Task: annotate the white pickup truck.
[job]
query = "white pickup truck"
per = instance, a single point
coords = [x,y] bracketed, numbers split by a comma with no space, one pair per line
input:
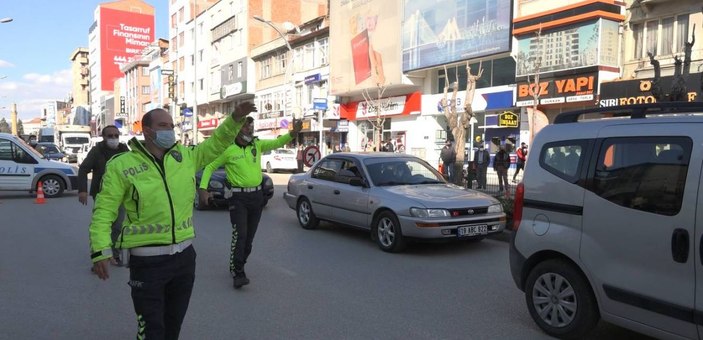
[71,139]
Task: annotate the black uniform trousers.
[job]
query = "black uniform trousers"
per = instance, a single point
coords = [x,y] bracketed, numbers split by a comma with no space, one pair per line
[244,213]
[161,288]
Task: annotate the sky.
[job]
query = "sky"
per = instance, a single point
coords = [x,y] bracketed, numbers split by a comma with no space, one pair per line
[36,46]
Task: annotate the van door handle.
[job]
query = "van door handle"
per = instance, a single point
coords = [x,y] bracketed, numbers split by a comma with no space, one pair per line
[310,186]
[336,192]
[679,245]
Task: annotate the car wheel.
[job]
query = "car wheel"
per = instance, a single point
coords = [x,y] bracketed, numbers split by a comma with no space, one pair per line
[387,234]
[52,186]
[306,217]
[268,167]
[560,300]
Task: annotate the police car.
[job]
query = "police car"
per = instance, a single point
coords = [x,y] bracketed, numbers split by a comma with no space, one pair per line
[22,167]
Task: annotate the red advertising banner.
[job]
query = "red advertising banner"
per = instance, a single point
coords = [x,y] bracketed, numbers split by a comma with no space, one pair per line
[123,35]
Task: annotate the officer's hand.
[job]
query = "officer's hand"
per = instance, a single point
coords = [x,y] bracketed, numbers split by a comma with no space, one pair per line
[297,126]
[101,269]
[83,197]
[243,109]
[203,197]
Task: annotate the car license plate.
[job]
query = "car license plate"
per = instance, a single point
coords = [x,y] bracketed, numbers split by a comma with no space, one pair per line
[472,230]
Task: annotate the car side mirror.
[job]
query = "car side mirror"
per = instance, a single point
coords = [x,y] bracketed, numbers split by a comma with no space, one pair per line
[357,182]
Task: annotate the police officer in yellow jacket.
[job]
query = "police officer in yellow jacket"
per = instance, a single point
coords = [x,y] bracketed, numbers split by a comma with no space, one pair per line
[155,182]
[242,161]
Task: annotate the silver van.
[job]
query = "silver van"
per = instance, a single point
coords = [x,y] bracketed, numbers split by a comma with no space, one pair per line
[606,222]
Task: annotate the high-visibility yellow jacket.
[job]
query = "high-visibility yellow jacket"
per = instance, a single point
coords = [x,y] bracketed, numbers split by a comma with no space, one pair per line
[158,198]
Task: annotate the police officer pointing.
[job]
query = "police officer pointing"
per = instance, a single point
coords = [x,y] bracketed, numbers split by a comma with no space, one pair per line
[154,182]
[242,161]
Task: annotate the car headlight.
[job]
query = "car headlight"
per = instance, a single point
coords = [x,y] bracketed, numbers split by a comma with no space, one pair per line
[496,208]
[216,185]
[422,212]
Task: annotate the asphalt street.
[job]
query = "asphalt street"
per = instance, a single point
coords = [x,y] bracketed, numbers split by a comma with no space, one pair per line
[331,283]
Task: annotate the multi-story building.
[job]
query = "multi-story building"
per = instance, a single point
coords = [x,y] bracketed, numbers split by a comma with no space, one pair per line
[210,45]
[80,74]
[120,31]
[135,95]
[573,46]
[666,30]
[32,126]
[297,89]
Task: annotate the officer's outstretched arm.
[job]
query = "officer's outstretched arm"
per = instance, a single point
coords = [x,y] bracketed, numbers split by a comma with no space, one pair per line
[107,204]
[270,144]
[223,137]
[210,168]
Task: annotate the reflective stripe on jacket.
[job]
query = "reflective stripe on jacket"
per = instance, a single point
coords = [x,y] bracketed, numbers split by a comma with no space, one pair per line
[158,202]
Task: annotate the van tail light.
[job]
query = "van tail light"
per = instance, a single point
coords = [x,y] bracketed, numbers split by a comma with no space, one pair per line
[517,207]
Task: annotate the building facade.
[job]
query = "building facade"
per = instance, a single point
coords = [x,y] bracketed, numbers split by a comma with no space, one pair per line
[80,74]
[119,32]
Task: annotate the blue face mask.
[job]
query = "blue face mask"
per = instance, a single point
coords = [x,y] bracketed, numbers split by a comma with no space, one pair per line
[165,138]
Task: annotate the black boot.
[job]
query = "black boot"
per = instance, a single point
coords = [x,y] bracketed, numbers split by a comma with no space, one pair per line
[240,279]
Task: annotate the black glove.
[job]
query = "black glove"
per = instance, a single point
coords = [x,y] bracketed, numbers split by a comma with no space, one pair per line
[242,110]
[297,126]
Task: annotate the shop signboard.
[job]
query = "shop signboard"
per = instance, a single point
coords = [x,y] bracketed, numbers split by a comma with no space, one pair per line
[639,91]
[508,119]
[560,89]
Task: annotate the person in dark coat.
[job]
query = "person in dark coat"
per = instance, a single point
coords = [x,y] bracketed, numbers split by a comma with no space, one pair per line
[95,162]
[501,163]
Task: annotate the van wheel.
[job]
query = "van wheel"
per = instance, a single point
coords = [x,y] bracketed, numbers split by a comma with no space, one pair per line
[52,186]
[560,300]
[387,234]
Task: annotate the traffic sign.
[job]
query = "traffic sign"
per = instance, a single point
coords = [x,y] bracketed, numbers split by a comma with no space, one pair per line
[311,154]
[319,104]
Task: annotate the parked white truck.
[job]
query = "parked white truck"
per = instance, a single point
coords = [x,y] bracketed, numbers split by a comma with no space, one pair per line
[71,138]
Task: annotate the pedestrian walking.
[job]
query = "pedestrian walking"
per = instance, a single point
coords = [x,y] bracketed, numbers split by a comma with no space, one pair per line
[481,159]
[95,162]
[501,163]
[299,157]
[448,155]
[521,159]
[242,162]
[154,182]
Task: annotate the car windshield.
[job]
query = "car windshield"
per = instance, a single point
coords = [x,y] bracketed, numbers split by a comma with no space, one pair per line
[401,171]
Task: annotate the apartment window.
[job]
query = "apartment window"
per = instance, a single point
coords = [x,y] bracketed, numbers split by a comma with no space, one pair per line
[230,72]
[174,44]
[297,59]
[681,33]
[638,37]
[200,56]
[181,39]
[667,36]
[192,59]
[173,20]
[309,56]
[201,84]
[145,71]
[281,63]
[181,88]
[180,15]
[181,64]
[145,107]
[323,50]
[146,90]
[239,69]
[265,68]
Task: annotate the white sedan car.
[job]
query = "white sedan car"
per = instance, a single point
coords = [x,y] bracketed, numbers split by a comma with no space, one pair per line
[279,159]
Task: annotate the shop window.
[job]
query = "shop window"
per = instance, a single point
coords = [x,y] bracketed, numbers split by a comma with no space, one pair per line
[647,174]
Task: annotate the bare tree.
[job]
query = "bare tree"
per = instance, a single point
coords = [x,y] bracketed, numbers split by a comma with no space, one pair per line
[376,104]
[536,89]
[458,124]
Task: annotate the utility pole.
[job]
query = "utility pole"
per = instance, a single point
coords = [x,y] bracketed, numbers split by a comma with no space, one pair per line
[13,118]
